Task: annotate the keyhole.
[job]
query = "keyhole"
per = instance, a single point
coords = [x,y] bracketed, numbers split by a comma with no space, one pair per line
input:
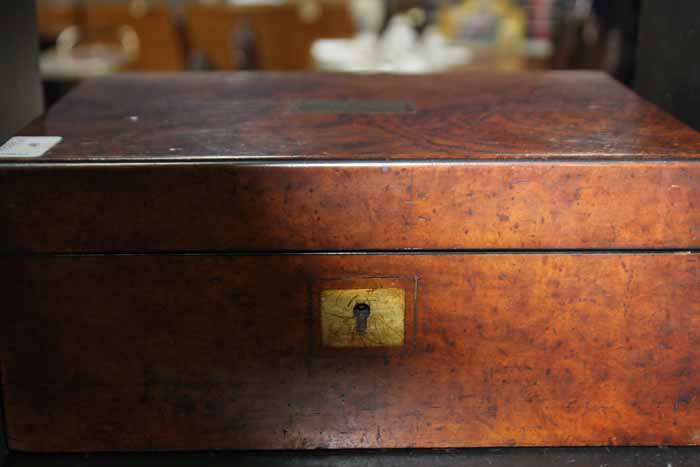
[361,313]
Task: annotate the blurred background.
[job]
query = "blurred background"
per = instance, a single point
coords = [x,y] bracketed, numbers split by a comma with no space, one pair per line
[81,39]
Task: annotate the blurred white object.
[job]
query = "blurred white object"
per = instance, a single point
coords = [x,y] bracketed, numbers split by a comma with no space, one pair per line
[441,53]
[357,54]
[82,62]
[70,61]
[368,14]
[399,37]
[255,2]
[398,50]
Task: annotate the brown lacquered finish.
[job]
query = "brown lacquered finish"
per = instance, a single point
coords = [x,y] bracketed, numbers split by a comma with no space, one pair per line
[342,207]
[199,352]
[471,116]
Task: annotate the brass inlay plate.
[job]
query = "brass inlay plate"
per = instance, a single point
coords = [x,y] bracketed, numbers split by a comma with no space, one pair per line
[350,106]
[383,326]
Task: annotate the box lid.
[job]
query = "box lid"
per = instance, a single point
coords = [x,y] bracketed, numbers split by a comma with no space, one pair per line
[324,162]
[305,116]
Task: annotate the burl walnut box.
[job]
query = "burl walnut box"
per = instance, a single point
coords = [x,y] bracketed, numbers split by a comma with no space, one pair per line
[269,261]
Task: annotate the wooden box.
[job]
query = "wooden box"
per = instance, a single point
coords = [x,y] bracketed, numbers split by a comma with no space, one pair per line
[268,261]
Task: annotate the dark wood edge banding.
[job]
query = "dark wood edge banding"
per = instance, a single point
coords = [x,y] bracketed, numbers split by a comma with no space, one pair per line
[541,457]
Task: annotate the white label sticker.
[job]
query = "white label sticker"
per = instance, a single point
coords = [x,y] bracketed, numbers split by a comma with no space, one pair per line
[28,146]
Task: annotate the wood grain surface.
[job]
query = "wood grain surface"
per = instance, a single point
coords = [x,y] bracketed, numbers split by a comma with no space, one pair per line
[208,352]
[461,116]
[147,311]
[229,207]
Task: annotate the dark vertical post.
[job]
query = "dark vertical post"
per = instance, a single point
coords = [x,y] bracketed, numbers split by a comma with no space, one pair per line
[3,441]
[668,69]
[20,91]
[20,84]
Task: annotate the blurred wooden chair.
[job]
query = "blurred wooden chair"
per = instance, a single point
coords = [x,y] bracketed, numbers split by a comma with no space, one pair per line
[55,16]
[277,37]
[160,42]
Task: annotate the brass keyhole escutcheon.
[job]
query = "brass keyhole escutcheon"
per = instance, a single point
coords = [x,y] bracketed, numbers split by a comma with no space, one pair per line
[359,318]
[361,312]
